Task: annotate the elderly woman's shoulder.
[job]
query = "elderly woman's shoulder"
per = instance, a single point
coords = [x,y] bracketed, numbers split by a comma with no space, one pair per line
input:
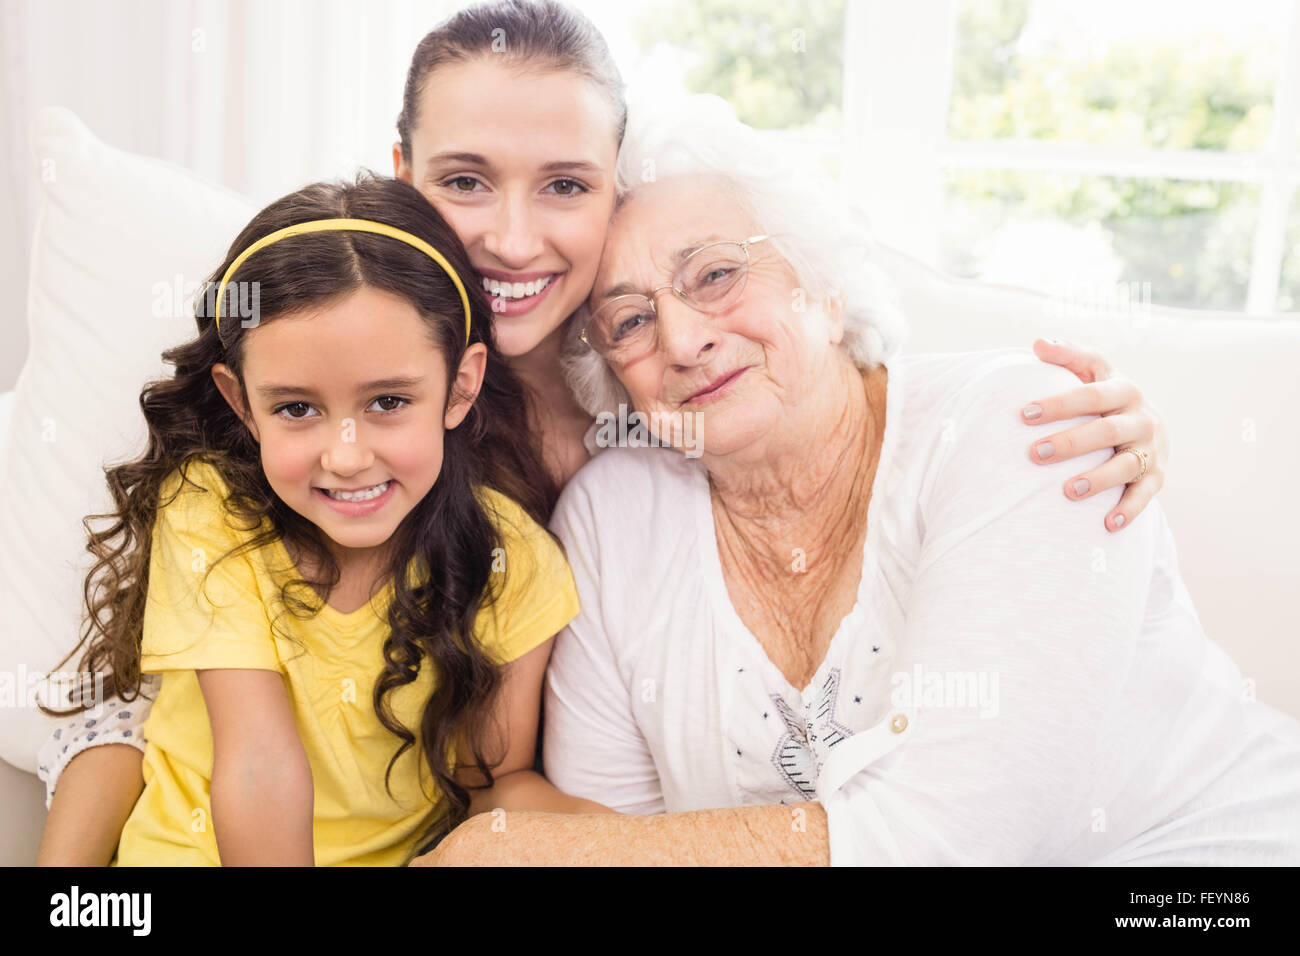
[950,385]
[964,375]
[630,480]
[968,402]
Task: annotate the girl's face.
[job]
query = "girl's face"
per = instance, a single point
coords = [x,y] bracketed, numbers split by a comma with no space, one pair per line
[350,396]
[521,164]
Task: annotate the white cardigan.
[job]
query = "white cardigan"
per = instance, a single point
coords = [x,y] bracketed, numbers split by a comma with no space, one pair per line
[1015,685]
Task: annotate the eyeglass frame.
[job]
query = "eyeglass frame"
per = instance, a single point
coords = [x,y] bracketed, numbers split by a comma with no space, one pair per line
[681,294]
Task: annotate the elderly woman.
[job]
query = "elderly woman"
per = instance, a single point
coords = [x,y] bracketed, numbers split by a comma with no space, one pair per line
[835,633]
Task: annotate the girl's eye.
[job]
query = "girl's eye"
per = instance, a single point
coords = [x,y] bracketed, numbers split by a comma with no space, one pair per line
[391,398]
[568,187]
[283,408]
[462,184]
[381,398]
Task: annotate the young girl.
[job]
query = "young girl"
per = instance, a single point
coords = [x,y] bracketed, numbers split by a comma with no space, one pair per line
[331,551]
[517,149]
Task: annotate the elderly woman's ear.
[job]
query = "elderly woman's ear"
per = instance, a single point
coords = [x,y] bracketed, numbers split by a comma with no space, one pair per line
[834,309]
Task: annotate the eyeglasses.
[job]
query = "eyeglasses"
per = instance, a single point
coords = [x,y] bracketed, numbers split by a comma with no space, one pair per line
[710,280]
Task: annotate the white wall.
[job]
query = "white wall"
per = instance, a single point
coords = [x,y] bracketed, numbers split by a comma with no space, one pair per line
[258,96]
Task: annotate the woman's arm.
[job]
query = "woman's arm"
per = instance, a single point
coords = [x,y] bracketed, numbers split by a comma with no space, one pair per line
[594,747]
[515,716]
[774,835]
[97,791]
[582,832]
[1128,421]
[262,792]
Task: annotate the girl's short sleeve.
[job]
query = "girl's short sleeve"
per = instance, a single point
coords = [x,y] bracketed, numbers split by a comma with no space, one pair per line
[536,596]
[202,613]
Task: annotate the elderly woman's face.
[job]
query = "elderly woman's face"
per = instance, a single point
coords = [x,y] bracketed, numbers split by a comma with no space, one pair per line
[740,370]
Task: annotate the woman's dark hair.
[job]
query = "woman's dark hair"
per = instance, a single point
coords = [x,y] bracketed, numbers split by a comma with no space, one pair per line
[542,35]
[450,531]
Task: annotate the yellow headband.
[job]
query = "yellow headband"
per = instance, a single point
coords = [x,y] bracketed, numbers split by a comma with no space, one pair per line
[340,225]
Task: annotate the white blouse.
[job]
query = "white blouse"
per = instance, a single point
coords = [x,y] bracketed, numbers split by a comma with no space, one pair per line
[1015,684]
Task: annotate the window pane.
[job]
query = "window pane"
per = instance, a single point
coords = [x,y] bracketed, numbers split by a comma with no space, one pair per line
[1164,75]
[1079,235]
[1288,294]
[780,64]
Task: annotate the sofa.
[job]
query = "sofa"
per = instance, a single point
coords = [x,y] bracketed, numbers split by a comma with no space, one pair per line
[121,239]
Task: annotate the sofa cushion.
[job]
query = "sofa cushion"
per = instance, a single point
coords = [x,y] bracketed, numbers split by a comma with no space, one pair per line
[117,236]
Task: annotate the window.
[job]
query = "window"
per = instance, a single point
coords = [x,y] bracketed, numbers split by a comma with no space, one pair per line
[1046,143]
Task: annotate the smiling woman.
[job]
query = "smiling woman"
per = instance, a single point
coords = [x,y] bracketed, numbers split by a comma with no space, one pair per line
[529,193]
[511,120]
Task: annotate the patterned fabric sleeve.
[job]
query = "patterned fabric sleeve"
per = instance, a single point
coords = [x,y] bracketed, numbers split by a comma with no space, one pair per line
[117,722]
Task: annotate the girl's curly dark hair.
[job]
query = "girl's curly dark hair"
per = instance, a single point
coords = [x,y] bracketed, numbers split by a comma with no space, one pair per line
[431,624]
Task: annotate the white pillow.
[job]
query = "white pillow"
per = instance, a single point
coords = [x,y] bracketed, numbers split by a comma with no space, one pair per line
[114,230]
[6,409]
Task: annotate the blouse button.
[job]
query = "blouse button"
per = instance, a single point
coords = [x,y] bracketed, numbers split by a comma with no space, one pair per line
[898,723]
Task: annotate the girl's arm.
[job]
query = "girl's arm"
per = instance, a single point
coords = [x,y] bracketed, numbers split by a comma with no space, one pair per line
[262,792]
[85,820]
[1128,421]
[516,786]
[97,791]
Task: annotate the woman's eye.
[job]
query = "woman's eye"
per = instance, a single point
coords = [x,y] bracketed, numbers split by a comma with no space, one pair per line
[629,325]
[568,187]
[462,184]
[718,274]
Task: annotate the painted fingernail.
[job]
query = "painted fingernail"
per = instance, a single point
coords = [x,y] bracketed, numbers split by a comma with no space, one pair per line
[1081,486]
[1045,449]
[1032,411]
[1119,521]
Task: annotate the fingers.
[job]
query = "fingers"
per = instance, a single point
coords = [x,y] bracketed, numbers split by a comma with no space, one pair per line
[1099,398]
[1119,469]
[1122,468]
[1134,500]
[1087,363]
[1105,432]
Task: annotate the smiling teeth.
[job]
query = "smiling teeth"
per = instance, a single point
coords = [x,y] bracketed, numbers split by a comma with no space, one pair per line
[515,290]
[373,492]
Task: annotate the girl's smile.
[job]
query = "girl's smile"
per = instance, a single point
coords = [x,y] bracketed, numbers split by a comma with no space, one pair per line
[360,503]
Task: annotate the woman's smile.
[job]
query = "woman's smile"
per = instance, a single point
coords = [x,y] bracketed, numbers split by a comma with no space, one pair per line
[510,293]
[716,389]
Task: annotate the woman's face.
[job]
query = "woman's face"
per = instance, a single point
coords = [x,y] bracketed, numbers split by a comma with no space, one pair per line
[327,414]
[521,164]
[740,372]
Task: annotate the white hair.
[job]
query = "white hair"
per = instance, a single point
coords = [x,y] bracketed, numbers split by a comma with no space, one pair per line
[826,242]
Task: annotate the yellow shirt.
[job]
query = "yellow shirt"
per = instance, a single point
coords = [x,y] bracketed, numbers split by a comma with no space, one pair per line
[329,675]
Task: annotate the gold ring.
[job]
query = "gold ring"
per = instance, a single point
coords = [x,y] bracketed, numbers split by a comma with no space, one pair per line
[1142,459]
